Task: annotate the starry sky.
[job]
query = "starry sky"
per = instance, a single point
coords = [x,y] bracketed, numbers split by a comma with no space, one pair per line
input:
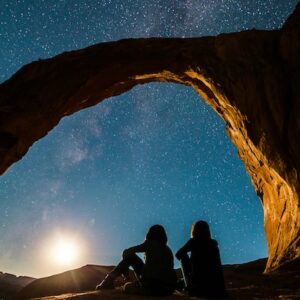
[156,154]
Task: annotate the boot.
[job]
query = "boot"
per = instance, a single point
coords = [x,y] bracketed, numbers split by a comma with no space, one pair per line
[107,283]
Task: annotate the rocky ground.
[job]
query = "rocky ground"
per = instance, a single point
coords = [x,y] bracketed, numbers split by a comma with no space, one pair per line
[247,281]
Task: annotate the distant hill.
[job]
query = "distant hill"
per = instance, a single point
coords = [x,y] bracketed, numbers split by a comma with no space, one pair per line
[11,284]
[83,279]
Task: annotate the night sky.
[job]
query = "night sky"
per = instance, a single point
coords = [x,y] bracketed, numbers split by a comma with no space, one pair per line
[157,154]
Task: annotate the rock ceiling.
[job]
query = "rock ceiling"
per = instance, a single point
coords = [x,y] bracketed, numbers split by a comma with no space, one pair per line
[251,79]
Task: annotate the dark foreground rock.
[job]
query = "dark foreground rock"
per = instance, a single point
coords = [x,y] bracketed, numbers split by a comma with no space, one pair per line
[247,281]
[243,281]
[110,295]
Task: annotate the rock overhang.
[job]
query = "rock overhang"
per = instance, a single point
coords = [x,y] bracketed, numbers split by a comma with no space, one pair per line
[251,79]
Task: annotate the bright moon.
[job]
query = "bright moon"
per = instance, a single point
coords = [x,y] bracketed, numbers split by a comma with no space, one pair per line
[62,250]
[65,252]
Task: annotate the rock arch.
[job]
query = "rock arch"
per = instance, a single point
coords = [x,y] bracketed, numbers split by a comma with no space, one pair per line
[251,79]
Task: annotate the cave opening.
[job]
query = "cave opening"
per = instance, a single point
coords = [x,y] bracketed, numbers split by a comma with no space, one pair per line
[156,154]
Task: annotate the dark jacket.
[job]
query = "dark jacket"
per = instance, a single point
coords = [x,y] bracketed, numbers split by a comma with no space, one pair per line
[205,264]
[159,264]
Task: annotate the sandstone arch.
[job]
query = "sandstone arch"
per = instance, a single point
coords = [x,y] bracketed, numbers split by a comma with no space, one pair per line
[251,79]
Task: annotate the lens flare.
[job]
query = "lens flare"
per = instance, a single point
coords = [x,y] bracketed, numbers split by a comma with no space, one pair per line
[65,252]
[64,249]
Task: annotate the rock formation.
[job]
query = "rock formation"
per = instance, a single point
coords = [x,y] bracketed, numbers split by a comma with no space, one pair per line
[251,79]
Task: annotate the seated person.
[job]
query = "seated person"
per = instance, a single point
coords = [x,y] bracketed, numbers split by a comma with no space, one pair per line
[202,269]
[156,276]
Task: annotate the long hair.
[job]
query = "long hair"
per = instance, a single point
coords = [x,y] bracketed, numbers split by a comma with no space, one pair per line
[157,233]
[200,230]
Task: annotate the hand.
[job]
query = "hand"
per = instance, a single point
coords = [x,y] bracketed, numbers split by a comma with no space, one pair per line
[126,252]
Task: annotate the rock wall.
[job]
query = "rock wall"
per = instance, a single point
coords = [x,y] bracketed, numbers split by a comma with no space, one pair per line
[250,78]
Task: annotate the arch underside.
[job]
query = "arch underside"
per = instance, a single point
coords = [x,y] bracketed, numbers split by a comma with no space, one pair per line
[249,78]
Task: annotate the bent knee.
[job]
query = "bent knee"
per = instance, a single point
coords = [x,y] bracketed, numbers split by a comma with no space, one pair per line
[132,288]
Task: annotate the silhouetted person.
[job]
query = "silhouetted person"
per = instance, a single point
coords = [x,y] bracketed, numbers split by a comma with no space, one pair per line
[156,276]
[202,269]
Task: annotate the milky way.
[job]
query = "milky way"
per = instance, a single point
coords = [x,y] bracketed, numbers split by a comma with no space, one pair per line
[157,154]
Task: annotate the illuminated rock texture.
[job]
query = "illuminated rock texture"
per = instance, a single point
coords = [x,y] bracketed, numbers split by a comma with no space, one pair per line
[251,79]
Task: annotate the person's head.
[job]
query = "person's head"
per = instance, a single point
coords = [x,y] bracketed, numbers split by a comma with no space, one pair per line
[157,233]
[200,229]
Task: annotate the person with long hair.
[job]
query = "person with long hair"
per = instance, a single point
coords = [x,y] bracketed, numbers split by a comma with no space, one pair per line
[156,276]
[201,263]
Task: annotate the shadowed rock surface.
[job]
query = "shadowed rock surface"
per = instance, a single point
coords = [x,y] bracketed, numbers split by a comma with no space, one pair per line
[251,79]
[83,279]
[10,284]
[243,281]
